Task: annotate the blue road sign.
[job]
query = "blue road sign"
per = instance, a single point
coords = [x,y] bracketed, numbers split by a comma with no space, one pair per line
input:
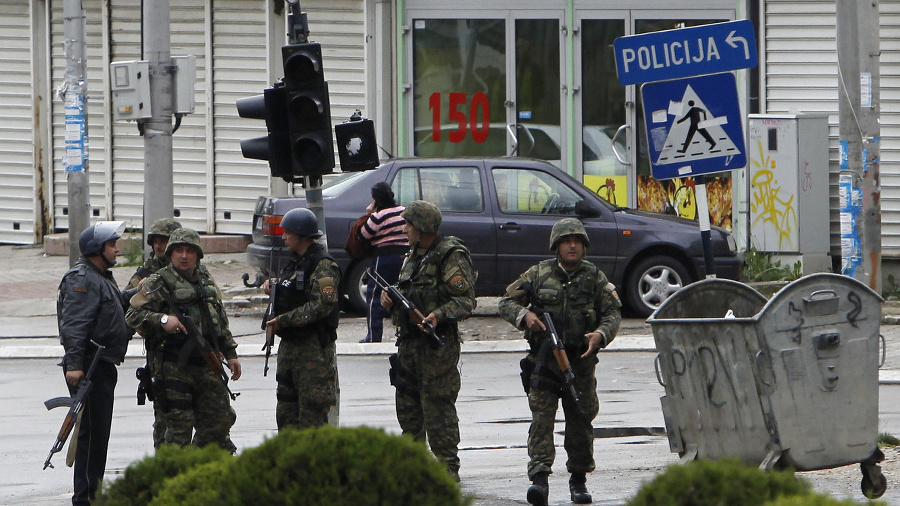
[694,126]
[685,52]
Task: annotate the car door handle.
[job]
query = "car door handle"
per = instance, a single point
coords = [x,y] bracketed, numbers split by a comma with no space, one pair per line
[510,226]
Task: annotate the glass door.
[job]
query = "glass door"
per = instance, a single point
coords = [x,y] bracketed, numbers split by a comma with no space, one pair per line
[488,87]
[614,156]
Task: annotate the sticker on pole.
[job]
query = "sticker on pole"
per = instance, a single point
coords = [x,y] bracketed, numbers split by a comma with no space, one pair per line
[693,126]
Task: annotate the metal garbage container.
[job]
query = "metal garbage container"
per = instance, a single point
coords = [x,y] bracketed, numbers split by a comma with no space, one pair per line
[791,382]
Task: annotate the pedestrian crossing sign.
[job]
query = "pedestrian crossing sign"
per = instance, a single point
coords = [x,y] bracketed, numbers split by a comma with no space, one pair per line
[693,126]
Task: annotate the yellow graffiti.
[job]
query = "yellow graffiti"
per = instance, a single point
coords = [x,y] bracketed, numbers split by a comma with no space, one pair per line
[768,204]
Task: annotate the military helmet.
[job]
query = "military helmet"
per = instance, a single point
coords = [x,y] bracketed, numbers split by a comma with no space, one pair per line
[184,236]
[162,227]
[94,237]
[568,226]
[424,216]
[301,221]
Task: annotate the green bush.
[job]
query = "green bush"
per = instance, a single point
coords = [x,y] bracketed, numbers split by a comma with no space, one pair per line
[143,479]
[814,500]
[198,486]
[716,483]
[326,465]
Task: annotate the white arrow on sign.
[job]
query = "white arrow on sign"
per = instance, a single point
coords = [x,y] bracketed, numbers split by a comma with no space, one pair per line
[730,40]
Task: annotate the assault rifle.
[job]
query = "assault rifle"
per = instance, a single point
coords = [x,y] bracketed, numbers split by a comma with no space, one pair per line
[406,304]
[270,329]
[556,344]
[75,404]
[211,356]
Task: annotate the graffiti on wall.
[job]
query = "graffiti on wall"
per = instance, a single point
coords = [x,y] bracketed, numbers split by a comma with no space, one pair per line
[771,204]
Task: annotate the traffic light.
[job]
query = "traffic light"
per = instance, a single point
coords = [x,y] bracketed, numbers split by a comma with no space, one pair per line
[276,146]
[356,144]
[308,109]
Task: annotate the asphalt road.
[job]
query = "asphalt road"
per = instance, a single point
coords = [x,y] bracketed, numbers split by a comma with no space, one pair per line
[493,424]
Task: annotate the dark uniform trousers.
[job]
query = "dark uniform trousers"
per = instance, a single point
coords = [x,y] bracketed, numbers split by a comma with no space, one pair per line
[93,436]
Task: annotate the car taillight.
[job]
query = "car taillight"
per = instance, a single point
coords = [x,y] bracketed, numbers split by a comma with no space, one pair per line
[270,225]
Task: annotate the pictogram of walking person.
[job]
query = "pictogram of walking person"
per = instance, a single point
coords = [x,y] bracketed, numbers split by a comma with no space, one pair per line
[694,114]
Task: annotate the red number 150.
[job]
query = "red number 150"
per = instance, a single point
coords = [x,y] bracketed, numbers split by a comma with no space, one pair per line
[479,101]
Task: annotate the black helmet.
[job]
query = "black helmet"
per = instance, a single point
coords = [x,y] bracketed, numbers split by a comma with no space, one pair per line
[302,222]
[162,227]
[94,237]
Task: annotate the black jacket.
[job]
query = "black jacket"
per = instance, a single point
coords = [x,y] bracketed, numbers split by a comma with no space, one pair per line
[90,307]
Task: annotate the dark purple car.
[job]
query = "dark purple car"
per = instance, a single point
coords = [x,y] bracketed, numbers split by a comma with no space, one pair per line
[503,209]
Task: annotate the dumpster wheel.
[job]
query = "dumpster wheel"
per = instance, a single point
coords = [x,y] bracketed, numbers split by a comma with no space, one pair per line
[873,483]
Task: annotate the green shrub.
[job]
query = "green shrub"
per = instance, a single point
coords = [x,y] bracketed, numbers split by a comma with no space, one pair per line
[198,486]
[143,479]
[716,483]
[885,439]
[814,500]
[326,465]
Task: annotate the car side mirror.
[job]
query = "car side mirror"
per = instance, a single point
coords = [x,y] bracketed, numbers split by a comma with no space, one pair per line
[585,209]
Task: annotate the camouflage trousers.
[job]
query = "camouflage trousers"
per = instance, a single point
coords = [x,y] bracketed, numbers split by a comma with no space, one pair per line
[197,407]
[155,364]
[426,402]
[579,433]
[306,376]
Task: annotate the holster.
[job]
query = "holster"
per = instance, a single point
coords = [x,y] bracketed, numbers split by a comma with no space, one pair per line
[542,377]
[399,378]
[527,367]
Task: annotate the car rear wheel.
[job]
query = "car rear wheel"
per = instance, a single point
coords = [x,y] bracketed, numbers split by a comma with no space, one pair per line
[355,286]
[652,281]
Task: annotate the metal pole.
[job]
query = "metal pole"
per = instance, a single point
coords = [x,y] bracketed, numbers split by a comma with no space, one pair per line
[858,84]
[159,201]
[73,92]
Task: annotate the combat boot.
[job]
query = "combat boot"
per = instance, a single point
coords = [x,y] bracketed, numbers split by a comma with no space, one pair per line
[539,491]
[578,489]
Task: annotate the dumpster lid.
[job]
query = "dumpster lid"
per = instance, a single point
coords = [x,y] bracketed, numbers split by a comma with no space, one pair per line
[711,298]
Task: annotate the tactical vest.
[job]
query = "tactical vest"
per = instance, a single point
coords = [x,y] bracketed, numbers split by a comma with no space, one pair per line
[294,288]
[420,280]
[198,300]
[570,302]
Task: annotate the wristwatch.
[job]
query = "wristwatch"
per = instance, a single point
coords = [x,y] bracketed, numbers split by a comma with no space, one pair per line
[164,320]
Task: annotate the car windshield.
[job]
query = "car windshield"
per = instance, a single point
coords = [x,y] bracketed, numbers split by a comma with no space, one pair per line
[336,185]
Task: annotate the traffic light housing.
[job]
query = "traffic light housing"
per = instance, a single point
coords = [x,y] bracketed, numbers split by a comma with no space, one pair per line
[276,146]
[308,110]
[356,144]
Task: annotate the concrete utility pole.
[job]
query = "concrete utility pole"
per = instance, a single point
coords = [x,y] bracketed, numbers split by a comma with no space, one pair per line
[73,91]
[159,201]
[860,134]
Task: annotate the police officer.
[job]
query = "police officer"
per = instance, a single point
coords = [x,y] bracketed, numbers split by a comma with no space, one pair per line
[90,308]
[158,239]
[307,311]
[585,310]
[195,399]
[437,275]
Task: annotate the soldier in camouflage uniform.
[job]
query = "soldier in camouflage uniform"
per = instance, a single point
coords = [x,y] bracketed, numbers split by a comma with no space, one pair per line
[195,400]
[585,309]
[158,239]
[437,275]
[307,311]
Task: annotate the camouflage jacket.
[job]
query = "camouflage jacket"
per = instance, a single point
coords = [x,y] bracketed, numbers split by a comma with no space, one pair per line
[149,305]
[307,292]
[442,281]
[579,302]
[150,266]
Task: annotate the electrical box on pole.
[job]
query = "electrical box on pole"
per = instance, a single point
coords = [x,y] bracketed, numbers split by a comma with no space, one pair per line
[130,83]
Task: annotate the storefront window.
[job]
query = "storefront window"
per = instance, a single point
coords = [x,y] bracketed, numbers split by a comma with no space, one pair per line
[459,81]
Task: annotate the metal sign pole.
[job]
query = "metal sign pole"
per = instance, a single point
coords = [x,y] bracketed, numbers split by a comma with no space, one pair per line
[705,234]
